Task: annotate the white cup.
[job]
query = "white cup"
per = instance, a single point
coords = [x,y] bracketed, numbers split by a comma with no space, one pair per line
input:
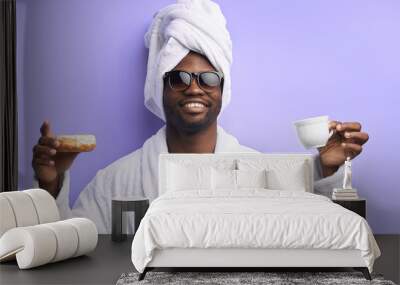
[313,132]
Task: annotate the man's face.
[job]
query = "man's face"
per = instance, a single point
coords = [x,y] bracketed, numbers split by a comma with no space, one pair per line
[187,117]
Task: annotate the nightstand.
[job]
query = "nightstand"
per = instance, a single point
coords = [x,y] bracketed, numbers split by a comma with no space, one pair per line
[358,206]
[138,205]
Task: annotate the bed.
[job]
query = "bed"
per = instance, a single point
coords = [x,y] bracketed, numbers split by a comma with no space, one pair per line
[246,210]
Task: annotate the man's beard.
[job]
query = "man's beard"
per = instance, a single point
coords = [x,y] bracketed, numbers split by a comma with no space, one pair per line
[175,119]
[194,127]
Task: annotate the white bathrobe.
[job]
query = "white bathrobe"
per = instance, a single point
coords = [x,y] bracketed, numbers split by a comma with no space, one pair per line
[136,174]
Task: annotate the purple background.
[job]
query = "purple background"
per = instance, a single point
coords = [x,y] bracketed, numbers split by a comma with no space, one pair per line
[82,64]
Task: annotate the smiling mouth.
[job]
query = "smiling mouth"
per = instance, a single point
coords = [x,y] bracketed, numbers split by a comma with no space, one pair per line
[194,107]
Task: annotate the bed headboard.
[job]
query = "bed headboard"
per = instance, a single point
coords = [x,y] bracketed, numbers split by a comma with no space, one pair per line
[286,166]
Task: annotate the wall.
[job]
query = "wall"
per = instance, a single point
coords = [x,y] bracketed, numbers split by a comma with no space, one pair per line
[82,64]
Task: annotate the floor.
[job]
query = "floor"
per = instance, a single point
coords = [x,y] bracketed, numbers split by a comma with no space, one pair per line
[104,265]
[110,260]
[389,262]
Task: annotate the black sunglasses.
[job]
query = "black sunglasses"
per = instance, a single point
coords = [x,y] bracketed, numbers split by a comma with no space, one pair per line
[208,81]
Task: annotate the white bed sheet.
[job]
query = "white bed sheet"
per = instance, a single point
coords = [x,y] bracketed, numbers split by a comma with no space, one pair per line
[250,218]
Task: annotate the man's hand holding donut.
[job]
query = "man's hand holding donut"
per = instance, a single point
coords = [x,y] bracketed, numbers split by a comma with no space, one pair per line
[48,164]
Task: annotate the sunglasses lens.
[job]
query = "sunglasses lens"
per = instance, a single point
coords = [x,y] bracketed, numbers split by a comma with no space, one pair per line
[179,80]
[209,80]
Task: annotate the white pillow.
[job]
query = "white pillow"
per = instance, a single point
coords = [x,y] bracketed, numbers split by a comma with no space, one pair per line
[293,179]
[252,178]
[223,179]
[289,174]
[183,177]
[228,179]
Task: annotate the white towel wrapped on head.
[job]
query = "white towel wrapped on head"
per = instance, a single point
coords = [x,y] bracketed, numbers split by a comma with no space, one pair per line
[188,25]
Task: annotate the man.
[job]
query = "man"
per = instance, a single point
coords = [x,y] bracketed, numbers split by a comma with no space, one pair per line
[187,85]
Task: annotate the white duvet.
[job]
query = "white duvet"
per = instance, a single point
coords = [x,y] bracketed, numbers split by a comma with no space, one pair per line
[250,218]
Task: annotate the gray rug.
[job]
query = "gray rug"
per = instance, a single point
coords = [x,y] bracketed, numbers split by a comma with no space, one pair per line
[230,278]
